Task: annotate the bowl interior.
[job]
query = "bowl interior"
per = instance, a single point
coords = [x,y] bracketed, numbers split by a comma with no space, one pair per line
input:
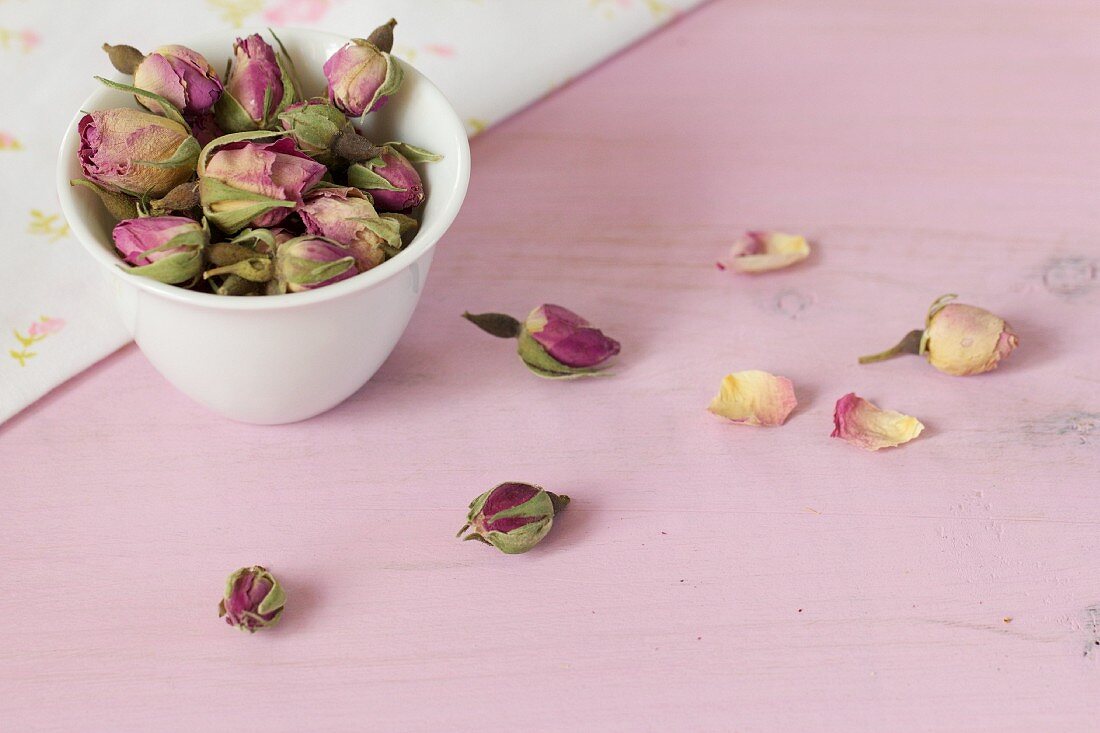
[418,114]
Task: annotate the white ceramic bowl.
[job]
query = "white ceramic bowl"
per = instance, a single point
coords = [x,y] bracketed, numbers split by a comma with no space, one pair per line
[279,359]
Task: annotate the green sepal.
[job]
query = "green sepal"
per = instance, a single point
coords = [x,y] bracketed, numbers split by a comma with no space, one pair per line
[186,155]
[394,76]
[288,75]
[414,154]
[253,238]
[521,539]
[937,305]
[308,272]
[362,176]
[214,190]
[118,205]
[541,363]
[174,269]
[274,600]
[232,285]
[232,116]
[388,229]
[170,110]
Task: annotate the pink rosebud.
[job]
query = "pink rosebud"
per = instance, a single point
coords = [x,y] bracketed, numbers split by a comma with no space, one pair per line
[165,248]
[513,517]
[116,146]
[390,178]
[362,75]
[346,215]
[568,338]
[255,183]
[253,599]
[309,262]
[181,76]
[257,88]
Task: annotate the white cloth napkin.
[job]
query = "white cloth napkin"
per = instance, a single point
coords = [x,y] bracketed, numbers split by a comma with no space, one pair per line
[491,58]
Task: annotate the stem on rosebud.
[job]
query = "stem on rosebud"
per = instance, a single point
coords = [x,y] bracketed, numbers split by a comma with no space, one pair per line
[498,324]
[124,58]
[908,345]
[559,501]
[382,36]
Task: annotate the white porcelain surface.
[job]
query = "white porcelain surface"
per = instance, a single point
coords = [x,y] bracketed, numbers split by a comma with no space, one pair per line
[280,359]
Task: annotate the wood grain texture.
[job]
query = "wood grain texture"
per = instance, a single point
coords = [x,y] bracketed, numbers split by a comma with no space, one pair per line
[707,576]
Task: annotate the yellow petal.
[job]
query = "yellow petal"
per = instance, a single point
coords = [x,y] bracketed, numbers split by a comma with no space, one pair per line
[763,251]
[863,424]
[754,398]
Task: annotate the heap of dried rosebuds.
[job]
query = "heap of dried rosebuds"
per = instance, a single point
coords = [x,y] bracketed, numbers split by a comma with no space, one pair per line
[242,186]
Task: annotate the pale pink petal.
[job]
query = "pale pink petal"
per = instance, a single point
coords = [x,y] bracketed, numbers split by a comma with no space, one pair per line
[863,424]
[754,398]
[763,251]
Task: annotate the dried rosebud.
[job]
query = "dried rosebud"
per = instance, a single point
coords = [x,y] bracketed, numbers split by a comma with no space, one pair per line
[347,216]
[253,599]
[362,75]
[762,251]
[957,339]
[257,183]
[310,262]
[181,76]
[315,125]
[165,248]
[755,398]
[512,517]
[259,85]
[554,342]
[242,265]
[390,177]
[137,153]
[866,426]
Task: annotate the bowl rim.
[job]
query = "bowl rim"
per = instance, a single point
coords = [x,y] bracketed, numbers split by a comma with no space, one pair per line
[425,239]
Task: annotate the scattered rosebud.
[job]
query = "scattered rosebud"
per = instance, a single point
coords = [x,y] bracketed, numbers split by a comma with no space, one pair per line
[957,339]
[165,248]
[135,152]
[257,183]
[390,177]
[310,262]
[763,251]
[554,342]
[864,425]
[754,398]
[258,87]
[362,74]
[253,599]
[181,76]
[347,216]
[512,517]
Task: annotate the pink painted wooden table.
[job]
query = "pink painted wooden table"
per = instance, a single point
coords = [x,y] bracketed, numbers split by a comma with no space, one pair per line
[707,576]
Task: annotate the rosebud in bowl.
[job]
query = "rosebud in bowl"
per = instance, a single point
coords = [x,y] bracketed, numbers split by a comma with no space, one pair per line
[253,599]
[390,177]
[244,182]
[554,342]
[181,76]
[362,75]
[309,262]
[258,87]
[513,517]
[957,339]
[165,248]
[347,216]
[135,152]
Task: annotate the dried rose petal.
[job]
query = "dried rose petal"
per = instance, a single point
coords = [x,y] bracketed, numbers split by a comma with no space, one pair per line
[754,398]
[863,424]
[763,251]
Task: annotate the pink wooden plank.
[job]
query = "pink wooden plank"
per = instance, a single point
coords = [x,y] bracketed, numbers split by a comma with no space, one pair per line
[707,576]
